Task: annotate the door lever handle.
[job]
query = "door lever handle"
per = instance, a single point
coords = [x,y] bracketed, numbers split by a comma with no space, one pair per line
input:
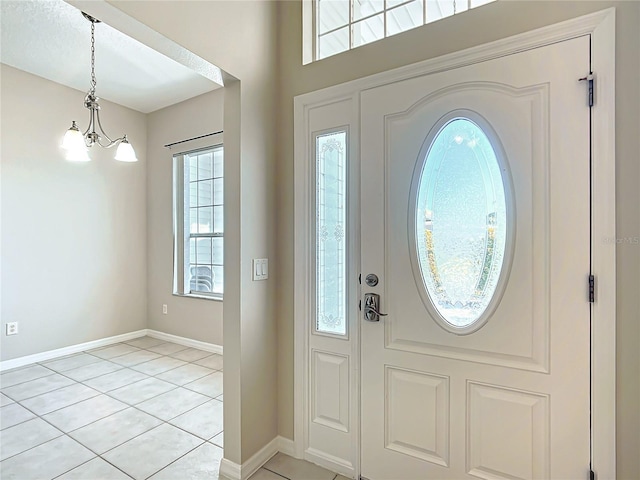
[372,307]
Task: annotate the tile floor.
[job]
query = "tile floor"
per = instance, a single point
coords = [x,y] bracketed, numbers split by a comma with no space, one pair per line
[140,409]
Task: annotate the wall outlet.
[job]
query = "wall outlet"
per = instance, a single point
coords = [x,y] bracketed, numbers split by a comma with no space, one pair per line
[12,328]
[164,308]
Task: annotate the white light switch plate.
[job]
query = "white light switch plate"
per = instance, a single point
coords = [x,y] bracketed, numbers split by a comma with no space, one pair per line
[260,269]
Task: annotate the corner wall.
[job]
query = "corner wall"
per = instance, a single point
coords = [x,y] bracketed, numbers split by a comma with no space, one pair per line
[475,27]
[73,235]
[240,38]
[194,318]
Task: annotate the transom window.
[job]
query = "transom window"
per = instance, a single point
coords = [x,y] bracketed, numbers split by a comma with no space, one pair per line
[199,222]
[340,25]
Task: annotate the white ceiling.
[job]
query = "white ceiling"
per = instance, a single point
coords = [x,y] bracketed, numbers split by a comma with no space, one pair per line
[51,39]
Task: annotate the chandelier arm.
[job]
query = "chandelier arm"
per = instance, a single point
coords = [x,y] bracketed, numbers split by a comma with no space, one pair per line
[86,132]
[111,142]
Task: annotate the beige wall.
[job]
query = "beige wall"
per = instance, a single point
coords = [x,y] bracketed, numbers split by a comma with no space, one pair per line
[239,37]
[475,27]
[193,318]
[73,235]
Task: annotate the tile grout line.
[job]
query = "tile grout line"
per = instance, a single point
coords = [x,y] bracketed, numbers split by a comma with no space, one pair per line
[187,453]
[273,471]
[134,406]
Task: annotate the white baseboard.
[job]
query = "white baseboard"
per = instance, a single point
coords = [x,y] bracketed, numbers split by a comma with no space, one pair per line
[287,446]
[233,471]
[61,352]
[103,342]
[330,462]
[230,470]
[207,347]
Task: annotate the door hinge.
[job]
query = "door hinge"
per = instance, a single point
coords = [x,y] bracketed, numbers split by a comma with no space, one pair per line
[590,79]
[592,475]
[592,289]
[360,305]
[360,279]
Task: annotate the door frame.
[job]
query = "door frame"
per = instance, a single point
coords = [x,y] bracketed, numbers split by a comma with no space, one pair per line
[601,27]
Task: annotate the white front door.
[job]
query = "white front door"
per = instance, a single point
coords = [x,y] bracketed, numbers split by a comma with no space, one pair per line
[475,218]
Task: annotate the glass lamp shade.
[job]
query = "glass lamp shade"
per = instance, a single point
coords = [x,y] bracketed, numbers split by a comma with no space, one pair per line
[125,152]
[73,139]
[73,143]
[78,155]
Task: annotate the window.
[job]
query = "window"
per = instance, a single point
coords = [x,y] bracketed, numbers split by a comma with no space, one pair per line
[331,232]
[199,222]
[340,25]
[461,223]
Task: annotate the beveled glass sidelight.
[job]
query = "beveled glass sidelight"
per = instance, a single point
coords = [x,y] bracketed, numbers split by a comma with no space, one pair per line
[461,224]
[331,232]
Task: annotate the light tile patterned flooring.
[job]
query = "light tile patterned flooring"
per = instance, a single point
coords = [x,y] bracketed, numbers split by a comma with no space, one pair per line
[140,409]
[284,467]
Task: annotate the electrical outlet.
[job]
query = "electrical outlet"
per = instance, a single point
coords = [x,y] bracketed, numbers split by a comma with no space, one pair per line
[12,328]
[164,308]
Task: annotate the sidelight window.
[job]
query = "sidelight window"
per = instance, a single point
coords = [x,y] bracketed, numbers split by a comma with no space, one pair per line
[331,232]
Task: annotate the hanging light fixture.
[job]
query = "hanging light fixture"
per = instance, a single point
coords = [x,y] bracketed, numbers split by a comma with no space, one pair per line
[75,142]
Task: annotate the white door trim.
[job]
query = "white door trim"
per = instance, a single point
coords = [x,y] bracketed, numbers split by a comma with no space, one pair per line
[601,27]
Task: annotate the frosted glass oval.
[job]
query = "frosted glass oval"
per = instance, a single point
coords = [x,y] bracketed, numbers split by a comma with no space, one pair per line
[461,222]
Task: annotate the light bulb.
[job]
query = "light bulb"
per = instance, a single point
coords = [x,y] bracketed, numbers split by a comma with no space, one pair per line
[125,152]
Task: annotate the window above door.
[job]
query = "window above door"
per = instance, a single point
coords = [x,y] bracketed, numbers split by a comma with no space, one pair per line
[340,25]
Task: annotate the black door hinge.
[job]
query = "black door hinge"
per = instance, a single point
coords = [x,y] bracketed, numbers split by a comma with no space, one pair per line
[592,289]
[360,279]
[590,84]
[592,475]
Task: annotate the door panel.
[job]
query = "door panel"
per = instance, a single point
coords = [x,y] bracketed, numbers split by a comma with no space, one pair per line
[511,399]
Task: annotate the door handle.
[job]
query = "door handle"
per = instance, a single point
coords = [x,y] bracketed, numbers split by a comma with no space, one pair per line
[372,307]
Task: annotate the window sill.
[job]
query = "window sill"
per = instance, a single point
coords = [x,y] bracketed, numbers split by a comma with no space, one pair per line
[215,298]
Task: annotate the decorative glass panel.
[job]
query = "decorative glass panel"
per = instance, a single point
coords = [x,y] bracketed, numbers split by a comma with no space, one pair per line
[331,172]
[461,222]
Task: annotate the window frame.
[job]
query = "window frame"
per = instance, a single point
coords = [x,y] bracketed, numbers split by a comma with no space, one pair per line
[181,234]
[310,13]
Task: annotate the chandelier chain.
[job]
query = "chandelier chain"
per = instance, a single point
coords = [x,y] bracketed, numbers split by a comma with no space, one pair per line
[93,59]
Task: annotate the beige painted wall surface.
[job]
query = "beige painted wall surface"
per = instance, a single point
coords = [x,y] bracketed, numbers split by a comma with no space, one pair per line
[73,235]
[193,318]
[482,25]
[239,37]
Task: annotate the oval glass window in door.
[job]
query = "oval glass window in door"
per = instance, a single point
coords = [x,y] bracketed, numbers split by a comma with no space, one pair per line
[461,229]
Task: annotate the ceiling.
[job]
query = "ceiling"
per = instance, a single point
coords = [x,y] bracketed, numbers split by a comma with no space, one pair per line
[51,39]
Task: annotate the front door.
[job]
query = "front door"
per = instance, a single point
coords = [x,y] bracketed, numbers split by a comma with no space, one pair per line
[475,219]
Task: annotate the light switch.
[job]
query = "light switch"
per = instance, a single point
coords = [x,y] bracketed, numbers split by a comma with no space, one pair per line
[260,269]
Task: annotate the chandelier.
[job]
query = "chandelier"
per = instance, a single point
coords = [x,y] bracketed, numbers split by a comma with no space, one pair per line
[75,142]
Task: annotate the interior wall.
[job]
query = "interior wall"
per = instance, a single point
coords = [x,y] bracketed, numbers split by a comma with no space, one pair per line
[73,248]
[195,318]
[485,24]
[240,38]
